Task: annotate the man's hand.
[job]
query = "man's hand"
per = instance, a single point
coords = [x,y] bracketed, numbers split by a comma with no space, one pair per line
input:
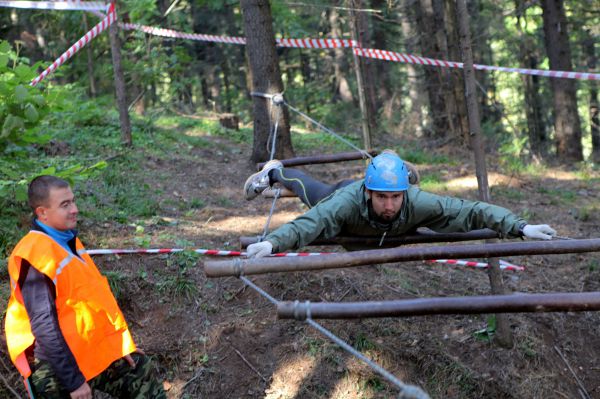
[259,249]
[83,392]
[539,231]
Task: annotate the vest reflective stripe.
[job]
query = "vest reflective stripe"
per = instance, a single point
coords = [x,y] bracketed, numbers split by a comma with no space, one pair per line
[62,265]
[91,322]
[81,252]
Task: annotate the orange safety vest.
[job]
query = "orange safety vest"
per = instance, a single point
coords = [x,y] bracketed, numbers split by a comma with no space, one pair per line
[90,319]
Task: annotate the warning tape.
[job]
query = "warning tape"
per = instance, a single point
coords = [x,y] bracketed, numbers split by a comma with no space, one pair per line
[56,5]
[211,252]
[99,28]
[362,52]
[504,265]
[415,59]
[217,252]
[296,43]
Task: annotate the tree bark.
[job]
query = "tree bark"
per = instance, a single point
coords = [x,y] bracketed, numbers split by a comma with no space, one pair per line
[503,334]
[90,60]
[429,23]
[341,87]
[593,110]
[414,80]
[266,78]
[567,126]
[359,71]
[115,46]
[536,128]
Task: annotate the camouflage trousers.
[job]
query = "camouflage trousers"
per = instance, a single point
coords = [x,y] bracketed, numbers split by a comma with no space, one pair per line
[118,380]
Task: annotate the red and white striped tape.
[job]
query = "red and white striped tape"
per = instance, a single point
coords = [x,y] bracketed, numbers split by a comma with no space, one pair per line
[56,5]
[217,252]
[415,59]
[182,35]
[211,252]
[297,43]
[100,27]
[504,265]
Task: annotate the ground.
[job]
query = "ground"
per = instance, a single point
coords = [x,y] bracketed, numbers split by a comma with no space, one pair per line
[216,338]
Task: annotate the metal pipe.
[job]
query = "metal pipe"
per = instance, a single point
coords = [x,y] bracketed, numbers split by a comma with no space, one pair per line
[517,303]
[422,235]
[323,158]
[399,254]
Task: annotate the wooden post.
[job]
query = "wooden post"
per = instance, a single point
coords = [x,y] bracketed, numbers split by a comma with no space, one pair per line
[115,47]
[503,333]
[323,158]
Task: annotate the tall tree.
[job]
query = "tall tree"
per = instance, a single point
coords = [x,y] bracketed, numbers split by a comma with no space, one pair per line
[567,126]
[503,333]
[341,87]
[589,49]
[536,128]
[266,78]
[120,90]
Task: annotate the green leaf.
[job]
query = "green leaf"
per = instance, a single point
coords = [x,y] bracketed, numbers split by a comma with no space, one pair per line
[48,171]
[24,72]
[4,47]
[31,113]
[11,123]
[21,193]
[21,93]
[39,100]
[3,61]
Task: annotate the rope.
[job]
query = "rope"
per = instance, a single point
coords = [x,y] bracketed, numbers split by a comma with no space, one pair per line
[327,130]
[268,223]
[259,290]
[406,391]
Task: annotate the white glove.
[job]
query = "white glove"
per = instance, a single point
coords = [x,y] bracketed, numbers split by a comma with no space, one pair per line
[259,249]
[540,231]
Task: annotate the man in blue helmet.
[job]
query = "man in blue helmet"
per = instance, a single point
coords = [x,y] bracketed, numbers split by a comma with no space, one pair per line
[383,204]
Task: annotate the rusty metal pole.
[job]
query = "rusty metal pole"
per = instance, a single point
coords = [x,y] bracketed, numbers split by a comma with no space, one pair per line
[517,303]
[240,266]
[322,158]
[419,237]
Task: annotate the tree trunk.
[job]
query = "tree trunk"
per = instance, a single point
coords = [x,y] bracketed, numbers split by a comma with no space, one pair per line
[429,24]
[593,112]
[358,69]
[416,92]
[90,60]
[455,103]
[266,78]
[503,334]
[536,128]
[567,126]
[341,87]
[115,46]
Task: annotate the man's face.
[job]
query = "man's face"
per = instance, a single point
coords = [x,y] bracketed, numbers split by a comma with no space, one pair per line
[386,204]
[59,211]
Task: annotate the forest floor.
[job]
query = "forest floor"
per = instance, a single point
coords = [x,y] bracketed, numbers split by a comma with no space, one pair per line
[216,338]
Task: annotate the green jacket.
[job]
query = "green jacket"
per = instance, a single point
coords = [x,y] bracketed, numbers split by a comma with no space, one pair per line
[346,212]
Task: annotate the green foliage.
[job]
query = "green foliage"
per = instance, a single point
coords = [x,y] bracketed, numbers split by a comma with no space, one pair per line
[487,334]
[22,106]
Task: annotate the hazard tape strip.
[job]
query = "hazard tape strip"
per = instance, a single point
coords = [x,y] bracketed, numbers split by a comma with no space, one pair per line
[211,252]
[504,265]
[56,5]
[296,43]
[89,36]
[415,59]
[217,252]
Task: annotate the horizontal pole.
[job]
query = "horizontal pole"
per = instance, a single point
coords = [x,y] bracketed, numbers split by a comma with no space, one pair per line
[326,158]
[399,254]
[419,237]
[517,303]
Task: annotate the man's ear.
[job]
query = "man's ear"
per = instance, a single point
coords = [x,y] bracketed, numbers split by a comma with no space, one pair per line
[40,212]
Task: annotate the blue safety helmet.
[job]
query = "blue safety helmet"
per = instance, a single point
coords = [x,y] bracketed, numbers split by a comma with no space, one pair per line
[387,172]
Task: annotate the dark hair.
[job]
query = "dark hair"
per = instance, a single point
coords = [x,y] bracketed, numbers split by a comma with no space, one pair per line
[39,189]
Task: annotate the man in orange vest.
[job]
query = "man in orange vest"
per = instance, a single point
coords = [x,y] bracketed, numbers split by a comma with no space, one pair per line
[64,330]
